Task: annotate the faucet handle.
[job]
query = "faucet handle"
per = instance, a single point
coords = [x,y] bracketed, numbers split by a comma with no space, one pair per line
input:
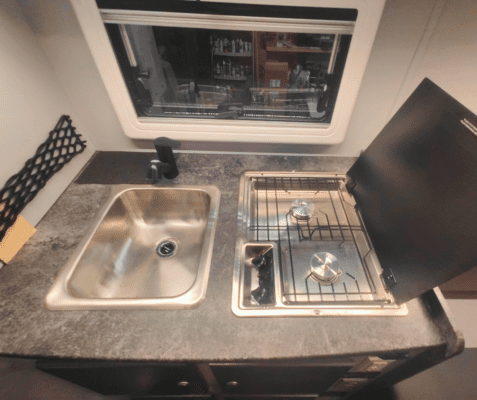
[165,155]
[166,142]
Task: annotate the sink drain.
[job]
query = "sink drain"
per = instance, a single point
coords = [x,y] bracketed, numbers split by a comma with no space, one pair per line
[167,248]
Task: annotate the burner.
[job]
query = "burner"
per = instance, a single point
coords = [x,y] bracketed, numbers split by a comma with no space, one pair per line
[323,268]
[302,210]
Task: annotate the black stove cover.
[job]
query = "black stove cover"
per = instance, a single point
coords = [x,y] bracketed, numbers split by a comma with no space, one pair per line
[416,188]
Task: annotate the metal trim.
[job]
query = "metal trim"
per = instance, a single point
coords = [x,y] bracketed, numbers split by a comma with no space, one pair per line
[205,21]
[378,308]
[469,126]
[334,54]
[128,46]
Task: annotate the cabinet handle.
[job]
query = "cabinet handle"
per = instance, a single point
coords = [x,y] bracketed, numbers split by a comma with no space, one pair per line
[183,383]
[232,384]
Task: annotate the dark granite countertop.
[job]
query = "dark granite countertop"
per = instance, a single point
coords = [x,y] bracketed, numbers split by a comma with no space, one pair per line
[211,331]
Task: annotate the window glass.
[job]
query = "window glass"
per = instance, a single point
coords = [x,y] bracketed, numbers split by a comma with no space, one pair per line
[188,72]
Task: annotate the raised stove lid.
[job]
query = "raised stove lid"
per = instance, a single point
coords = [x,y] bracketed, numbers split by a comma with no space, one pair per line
[416,188]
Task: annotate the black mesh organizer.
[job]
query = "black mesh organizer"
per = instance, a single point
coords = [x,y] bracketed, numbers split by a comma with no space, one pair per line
[62,145]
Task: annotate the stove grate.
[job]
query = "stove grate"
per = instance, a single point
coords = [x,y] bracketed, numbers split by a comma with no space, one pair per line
[335,227]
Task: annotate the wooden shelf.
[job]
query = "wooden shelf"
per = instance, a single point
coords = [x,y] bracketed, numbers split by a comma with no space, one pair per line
[286,49]
[230,78]
[221,53]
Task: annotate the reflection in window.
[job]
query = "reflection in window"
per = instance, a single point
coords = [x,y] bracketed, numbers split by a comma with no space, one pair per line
[191,72]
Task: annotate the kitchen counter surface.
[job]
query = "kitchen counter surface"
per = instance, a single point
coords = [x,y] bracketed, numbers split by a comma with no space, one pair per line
[210,332]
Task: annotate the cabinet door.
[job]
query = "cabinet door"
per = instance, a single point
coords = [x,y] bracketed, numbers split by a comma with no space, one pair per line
[278,397]
[183,397]
[117,378]
[270,379]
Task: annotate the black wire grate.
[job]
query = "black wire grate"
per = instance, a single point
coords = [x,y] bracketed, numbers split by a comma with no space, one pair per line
[62,145]
[335,225]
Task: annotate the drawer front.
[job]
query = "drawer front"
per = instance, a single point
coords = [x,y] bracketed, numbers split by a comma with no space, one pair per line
[248,397]
[183,397]
[277,379]
[129,379]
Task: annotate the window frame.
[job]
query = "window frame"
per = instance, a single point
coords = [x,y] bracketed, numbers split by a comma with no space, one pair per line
[196,129]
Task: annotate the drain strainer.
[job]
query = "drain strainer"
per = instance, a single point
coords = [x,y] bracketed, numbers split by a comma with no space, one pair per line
[166,248]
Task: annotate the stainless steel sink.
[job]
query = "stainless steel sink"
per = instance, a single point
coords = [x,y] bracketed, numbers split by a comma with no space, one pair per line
[148,247]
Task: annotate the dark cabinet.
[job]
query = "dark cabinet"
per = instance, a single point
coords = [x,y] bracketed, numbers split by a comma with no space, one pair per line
[277,379]
[277,397]
[121,378]
[183,397]
[239,381]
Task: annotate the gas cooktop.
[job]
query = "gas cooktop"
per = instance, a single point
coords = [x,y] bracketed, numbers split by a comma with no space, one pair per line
[303,250]
[399,223]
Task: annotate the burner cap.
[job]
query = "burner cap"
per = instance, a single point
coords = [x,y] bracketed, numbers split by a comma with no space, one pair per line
[324,268]
[302,209]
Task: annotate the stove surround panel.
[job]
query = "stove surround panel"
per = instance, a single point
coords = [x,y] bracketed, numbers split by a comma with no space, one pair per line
[268,207]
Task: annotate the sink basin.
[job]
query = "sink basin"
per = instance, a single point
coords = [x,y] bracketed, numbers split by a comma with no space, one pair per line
[148,247]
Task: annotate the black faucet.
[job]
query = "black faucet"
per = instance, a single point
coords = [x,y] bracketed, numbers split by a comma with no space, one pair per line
[165,164]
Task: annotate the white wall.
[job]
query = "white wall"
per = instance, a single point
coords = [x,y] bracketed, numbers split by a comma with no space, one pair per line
[445,33]
[449,58]
[57,30]
[31,102]
[402,26]
[415,39]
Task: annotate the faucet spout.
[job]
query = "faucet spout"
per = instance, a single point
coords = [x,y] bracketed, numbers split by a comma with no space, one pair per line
[165,164]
